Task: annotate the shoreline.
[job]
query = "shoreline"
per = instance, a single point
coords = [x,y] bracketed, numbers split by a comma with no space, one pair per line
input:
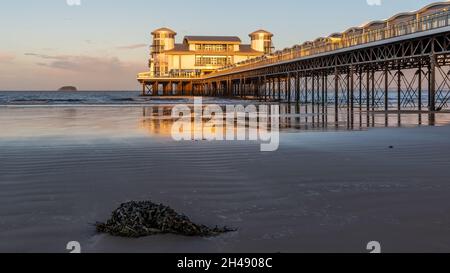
[356,109]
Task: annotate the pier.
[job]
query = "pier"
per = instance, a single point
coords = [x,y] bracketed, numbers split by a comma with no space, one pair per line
[402,63]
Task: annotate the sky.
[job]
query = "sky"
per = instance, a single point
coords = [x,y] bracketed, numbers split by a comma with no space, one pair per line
[103,44]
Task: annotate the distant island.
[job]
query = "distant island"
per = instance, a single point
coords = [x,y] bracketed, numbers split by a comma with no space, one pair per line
[68,88]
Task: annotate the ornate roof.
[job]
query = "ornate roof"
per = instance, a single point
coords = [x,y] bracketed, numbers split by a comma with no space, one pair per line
[163,29]
[261,31]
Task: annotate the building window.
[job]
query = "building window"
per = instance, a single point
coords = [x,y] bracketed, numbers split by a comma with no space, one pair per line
[212,60]
[213,48]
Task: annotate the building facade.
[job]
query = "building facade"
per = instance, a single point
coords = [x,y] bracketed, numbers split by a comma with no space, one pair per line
[172,63]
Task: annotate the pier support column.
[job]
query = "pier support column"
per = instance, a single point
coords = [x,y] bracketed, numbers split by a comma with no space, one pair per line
[319,88]
[297,87]
[273,89]
[231,87]
[288,82]
[258,86]
[238,88]
[352,88]
[180,88]
[244,88]
[348,88]
[306,89]
[432,91]
[372,74]
[265,88]
[313,89]
[386,88]
[399,89]
[279,88]
[324,89]
[188,90]
[360,87]
[155,89]
[168,89]
[336,94]
[419,87]
[368,98]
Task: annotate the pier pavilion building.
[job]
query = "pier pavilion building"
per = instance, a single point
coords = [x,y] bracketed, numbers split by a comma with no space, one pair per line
[173,65]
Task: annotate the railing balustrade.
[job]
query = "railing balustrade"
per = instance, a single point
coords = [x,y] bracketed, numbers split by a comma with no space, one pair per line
[433,21]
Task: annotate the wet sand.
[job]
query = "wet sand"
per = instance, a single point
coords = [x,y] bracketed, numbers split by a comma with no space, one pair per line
[328,191]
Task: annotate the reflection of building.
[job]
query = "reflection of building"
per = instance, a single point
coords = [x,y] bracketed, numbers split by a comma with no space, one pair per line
[158,121]
[174,65]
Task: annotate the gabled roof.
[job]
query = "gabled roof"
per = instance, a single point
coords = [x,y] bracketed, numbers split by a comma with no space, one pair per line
[248,49]
[213,39]
[336,35]
[403,14]
[433,5]
[322,39]
[179,48]
[353,30]
[374,23]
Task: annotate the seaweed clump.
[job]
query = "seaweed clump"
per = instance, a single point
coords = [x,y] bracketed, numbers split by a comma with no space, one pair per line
[140,219]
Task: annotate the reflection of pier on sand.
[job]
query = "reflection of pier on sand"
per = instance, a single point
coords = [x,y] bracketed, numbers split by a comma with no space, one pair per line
[301,118]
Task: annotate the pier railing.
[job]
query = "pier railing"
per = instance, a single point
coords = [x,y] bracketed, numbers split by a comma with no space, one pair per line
[171,75]
[426,23]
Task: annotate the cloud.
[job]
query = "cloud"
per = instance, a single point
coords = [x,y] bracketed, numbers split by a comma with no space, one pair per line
[81,63]
[87,63]
[84,71]
[374,2]
[47,57]
[6,57]
[130,47]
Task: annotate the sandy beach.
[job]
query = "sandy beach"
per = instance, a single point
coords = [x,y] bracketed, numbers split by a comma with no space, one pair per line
[225,136]
[64,168]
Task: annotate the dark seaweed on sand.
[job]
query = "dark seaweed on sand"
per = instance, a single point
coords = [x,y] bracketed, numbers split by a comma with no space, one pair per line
[140,219]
